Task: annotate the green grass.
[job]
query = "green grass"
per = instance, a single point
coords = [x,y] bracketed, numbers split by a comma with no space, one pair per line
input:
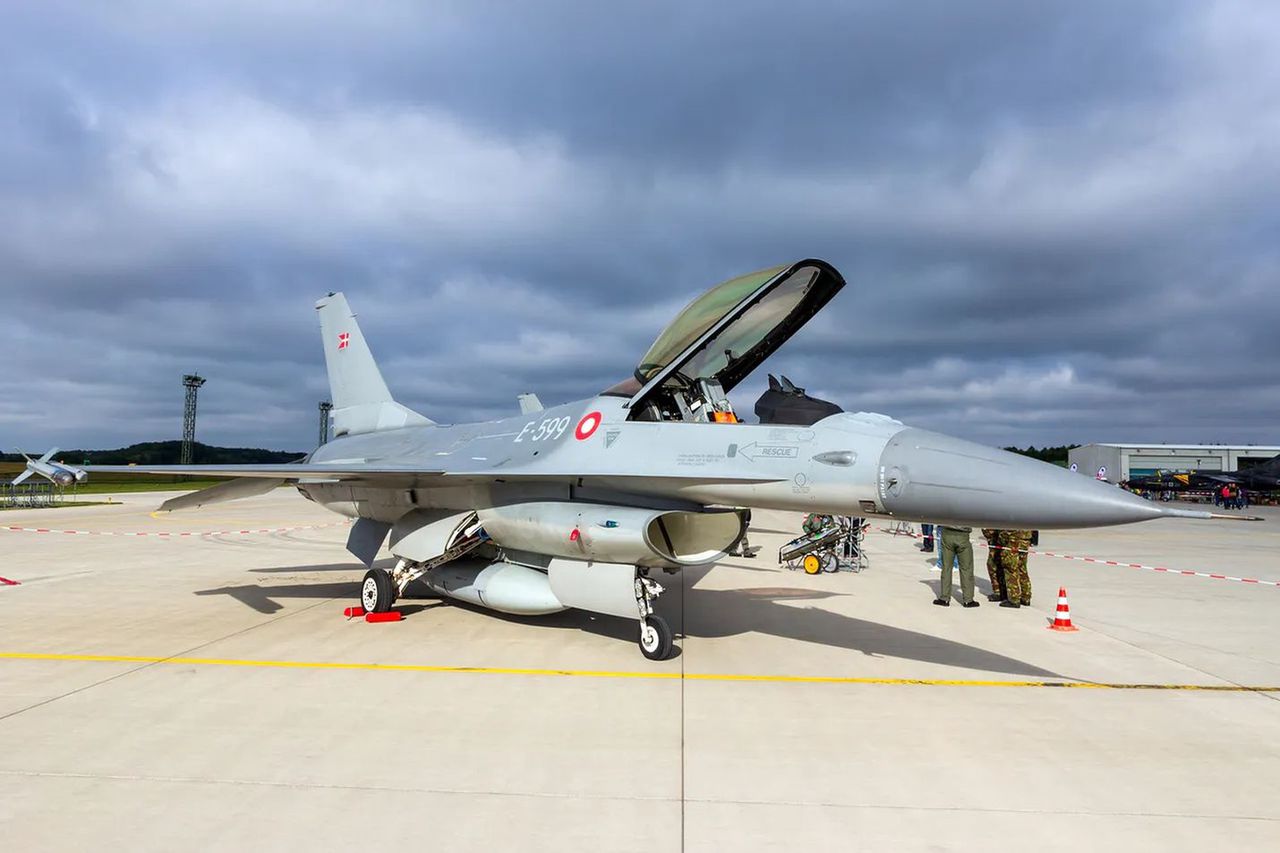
[106,484]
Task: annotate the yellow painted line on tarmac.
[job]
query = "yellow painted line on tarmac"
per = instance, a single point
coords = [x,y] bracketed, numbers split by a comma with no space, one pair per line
[594,673]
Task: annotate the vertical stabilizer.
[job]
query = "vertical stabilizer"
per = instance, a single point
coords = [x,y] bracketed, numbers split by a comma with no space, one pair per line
[361,400]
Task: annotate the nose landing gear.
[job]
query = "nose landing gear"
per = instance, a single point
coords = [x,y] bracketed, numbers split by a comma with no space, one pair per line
[655,634]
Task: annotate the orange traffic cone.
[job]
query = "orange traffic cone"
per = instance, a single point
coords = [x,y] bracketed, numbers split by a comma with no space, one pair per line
[1062,619]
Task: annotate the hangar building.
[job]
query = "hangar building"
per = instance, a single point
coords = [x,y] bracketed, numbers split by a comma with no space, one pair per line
[1124,461]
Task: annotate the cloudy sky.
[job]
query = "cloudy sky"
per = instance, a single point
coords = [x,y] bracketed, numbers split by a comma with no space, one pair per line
[1059,221]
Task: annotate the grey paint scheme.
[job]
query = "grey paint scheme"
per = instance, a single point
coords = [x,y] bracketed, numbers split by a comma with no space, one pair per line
[573,505]
[904,472]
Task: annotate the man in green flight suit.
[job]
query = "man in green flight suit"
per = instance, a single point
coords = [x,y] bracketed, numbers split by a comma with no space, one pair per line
[1013,561]
[956,544]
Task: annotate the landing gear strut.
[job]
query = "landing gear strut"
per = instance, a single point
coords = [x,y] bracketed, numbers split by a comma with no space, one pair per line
[655,634]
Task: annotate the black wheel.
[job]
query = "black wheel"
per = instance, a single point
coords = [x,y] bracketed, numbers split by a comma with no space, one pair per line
[377,593]
[655,638]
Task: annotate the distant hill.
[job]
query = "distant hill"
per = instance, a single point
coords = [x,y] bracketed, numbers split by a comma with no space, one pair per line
[1056,455]
[167,453]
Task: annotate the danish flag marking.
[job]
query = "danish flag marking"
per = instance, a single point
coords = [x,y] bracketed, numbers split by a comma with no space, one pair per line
[344,340]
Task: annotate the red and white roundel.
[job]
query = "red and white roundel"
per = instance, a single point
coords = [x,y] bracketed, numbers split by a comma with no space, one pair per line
[587,426]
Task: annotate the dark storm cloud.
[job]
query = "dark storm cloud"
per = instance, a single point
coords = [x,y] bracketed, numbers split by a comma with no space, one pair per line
[1057,220]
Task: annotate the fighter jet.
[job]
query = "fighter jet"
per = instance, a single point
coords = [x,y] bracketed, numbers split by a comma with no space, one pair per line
[581,505]
[1263,477]
[59,473]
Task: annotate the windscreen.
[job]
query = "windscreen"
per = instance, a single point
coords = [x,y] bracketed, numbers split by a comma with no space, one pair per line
[701,314]
[747,332]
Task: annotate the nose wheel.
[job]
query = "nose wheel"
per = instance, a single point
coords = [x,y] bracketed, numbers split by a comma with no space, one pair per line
[377,593]
[655,638]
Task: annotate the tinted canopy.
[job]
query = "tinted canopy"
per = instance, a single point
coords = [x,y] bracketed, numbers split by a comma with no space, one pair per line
[727,332]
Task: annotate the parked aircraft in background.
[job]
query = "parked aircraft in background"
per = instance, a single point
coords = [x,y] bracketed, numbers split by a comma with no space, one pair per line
[58,472]
[1263,477]
[581,504]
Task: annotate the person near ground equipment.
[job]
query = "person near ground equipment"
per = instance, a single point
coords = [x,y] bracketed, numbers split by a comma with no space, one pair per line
[956,546]
[813,522]
[926,536]
[994,571]
[1013,561]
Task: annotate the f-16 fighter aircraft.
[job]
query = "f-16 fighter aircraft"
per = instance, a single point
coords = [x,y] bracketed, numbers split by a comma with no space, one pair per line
[582,504]
[58,472]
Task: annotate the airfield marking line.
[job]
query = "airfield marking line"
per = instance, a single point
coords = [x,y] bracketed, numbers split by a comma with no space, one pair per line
[1102,562]
[658,676]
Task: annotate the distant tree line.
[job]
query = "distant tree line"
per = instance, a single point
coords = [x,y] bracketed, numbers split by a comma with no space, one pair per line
[1056,455]
[167,453]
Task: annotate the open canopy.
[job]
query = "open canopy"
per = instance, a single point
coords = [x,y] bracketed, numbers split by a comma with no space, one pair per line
[727,332]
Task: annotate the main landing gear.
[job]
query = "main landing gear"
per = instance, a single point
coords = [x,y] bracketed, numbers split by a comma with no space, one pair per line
[381,588]
[377,593]
[655,634]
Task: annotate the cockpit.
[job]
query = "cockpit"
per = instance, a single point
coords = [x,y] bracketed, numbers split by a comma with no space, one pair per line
[721,338]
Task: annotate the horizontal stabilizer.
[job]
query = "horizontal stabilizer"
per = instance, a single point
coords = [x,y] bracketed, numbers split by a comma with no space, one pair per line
[231,490]
[23,476]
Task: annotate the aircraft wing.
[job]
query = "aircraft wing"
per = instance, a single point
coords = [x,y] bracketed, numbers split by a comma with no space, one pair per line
[383,474]
[287,471]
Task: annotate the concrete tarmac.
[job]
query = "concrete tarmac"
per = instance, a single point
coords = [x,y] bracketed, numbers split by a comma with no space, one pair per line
[205,692]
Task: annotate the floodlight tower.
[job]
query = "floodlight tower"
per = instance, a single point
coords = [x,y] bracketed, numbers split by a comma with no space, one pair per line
[325,408]
[192,383]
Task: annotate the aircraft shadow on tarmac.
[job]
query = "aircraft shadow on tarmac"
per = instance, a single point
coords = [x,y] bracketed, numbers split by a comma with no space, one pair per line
[710,614]
[723,613]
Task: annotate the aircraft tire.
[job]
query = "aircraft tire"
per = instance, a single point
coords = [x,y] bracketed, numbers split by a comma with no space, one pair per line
[377,593]
[655,638]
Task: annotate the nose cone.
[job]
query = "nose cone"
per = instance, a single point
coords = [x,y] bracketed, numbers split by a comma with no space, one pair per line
[927,476]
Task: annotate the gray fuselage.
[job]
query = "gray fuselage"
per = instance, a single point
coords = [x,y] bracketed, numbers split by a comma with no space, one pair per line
[847,464]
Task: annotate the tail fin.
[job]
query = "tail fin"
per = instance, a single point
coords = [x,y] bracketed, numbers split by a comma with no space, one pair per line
[49,455]
[361,401]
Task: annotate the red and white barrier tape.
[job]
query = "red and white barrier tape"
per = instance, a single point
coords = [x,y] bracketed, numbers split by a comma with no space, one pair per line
[172,535]
[1162,569]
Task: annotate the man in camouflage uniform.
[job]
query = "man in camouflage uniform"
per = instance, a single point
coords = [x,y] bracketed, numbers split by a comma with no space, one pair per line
[993,563]
[1013,562]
